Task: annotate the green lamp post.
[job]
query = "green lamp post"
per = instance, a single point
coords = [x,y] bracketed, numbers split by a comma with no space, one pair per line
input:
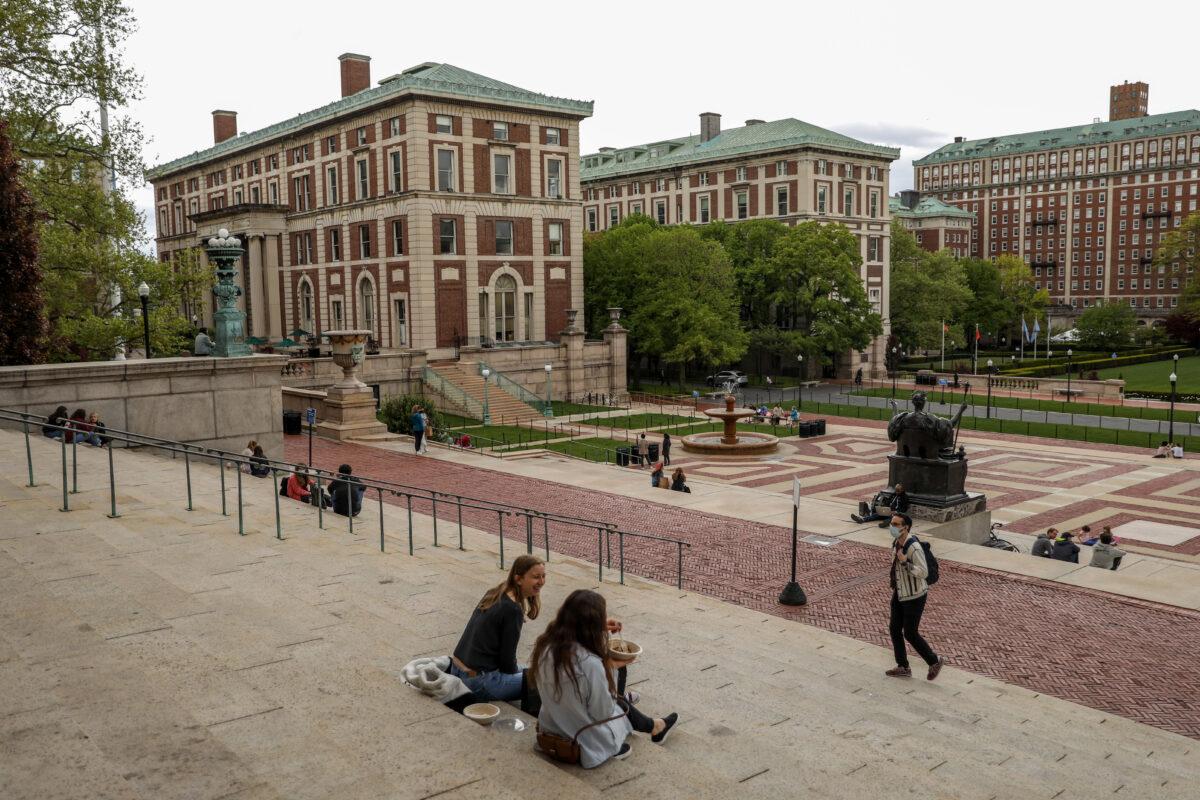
[229,322]
[549,412]
[487,417]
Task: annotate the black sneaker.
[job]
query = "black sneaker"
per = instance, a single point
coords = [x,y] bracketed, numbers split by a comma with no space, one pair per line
[623,752]
[662,735]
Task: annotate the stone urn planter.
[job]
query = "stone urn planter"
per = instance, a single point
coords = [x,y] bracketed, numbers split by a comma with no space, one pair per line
[350,403]
[349,353]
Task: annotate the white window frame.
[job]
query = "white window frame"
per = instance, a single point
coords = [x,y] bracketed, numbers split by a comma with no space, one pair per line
[553,136]
[400,321]
[453,223]
[741,202]
[497,186]
[396,170]
[614,216]
[554,187]
[781,193]
[362,169]
[335,244]
[331,184]
[703,209]
[591,220]
[511,234]
[443,123]
[337,312]
[366,311]
[397,237]
[500,131]
[554,235]
[450,174]
[364,240]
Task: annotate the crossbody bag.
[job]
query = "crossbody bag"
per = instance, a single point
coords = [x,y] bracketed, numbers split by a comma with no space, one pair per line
[560,748]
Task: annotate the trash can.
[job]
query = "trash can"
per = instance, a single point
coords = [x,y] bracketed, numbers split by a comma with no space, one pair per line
[820,427]
[291,423]
[653,452]
[808,429]
[622,456]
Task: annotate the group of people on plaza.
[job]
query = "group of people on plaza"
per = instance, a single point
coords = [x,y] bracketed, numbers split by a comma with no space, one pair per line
[81,427]
[343,496]
[1169,450]
[573,683]
[1062,547]
[775,416]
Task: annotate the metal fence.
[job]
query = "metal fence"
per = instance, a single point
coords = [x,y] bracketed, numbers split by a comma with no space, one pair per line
[459,509]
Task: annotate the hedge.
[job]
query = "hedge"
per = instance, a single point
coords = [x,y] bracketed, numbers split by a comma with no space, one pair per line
[1096,364]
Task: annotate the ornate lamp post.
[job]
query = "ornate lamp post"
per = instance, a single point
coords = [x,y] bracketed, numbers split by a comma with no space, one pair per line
[487,417]
[1171,424]
[229,335]
[144,294]
[1069,352]
[894,366]
[800,380]
[549,411]
[989,400]
[1176,367]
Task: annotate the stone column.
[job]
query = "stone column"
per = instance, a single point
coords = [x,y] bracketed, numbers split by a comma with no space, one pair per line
[349,403]
[616,338]
[571,342]
[271,268]
[258,300]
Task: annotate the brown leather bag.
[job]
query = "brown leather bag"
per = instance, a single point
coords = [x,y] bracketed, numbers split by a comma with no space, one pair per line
[563,749]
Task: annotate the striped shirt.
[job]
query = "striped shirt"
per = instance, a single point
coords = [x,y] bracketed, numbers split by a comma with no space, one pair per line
[908,577]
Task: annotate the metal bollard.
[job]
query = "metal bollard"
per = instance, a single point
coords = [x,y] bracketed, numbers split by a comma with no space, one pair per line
[351,509]
[187,466]
[112,486]
[433,501]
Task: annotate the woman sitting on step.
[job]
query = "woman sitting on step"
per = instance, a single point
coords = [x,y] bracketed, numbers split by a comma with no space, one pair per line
[486,656]
[574,676]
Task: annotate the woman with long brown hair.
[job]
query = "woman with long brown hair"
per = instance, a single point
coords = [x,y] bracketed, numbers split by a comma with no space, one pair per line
[575,680]
[486,656]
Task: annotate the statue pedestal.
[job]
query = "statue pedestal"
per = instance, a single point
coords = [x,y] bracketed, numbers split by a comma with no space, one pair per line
[350,414]
[929,481]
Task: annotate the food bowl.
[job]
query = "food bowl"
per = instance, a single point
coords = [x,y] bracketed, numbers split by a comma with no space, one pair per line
[623,650]
[483,713]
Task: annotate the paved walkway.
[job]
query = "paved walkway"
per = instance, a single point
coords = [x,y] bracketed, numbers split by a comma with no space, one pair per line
[1119,655]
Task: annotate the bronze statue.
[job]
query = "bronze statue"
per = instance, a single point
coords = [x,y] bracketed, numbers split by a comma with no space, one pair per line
[919,434]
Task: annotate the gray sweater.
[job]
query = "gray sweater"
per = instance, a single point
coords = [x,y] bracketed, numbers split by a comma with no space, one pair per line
[1103,555]
[566,713]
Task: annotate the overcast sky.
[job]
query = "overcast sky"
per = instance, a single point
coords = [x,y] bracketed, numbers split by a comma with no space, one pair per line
[911,75]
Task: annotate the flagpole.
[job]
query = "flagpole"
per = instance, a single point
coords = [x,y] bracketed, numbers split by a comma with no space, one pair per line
[975,360]
[943,345]
[1024,336]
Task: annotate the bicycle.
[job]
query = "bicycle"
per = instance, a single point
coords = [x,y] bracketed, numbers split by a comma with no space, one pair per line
[998,543]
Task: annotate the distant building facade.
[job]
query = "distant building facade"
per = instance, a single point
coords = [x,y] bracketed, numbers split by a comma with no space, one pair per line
[786,170]
[936,225]
[1085,206]
[439,208]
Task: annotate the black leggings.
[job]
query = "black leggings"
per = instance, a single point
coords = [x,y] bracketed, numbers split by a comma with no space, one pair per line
[904,624]
[640,722]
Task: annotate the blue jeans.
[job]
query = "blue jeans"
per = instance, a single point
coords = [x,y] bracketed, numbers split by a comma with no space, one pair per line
[495,685]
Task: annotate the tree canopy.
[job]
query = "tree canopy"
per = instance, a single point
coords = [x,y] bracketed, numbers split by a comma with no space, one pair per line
[22,309]
[927,291]
[1106,327]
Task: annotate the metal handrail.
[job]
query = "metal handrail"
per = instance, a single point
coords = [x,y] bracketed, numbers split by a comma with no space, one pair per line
[432,496]
[512,387]
[451,392]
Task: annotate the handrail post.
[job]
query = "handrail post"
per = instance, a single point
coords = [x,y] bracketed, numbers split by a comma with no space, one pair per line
[350,517]
[112,486]
[621,553]
[500,515]
[433,501]
[608,546]
[528,531]
[66,505]
[221,464]
[187,466]
[600,554]
[28,453]
[321,504]
[458,499]
[351,510]
[408,497]
[679,564]
[74,466]
[278,524]
[241,523]
[546,535]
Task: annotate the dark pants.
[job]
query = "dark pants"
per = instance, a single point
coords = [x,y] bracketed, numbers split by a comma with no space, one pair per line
[905,620]
[417,437]
[666,454]
[640,722]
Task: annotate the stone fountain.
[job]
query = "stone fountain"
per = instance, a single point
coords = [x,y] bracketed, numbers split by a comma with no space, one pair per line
[730,442]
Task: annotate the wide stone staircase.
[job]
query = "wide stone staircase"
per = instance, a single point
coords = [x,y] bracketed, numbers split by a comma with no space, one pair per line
[504,408]
[159,654]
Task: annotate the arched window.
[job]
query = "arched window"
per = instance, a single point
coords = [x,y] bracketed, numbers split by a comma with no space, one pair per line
[506,308]
[366,304]
[306,307]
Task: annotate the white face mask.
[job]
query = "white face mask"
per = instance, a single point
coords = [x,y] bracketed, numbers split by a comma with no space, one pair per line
[892,529]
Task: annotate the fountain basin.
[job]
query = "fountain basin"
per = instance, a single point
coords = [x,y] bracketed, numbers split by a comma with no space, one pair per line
[747,444]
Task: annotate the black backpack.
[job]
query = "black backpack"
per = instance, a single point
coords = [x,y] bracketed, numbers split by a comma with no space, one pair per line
[283,486]
[931,563]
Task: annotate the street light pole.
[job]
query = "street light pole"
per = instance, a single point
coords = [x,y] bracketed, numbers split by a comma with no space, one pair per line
[989,399]
[800,381]
[1069,353]
[144,294]
[894,365]
[549,412]
[487,418]
[1171,424]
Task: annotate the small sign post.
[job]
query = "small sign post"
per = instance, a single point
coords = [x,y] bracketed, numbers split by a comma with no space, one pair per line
[310,415]
[792,594]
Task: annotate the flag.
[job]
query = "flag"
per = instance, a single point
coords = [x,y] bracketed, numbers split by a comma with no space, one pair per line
[978,335]
[945,328]
[1024,328]
[1037,328]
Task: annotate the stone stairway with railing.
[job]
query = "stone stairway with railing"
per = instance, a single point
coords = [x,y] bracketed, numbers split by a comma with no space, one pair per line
[159,654]
[504,406]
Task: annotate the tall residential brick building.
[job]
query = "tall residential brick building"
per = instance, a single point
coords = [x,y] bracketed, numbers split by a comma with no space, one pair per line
[437,208]
[787,170]
[936,225]
[1085,206]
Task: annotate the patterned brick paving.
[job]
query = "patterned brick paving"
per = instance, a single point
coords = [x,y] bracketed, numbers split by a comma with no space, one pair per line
[1123,656]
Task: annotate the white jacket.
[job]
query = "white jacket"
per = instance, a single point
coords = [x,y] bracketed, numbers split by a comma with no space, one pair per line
[429,676]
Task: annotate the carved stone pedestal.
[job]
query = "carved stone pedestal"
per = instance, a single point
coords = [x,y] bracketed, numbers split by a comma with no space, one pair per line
[350,403]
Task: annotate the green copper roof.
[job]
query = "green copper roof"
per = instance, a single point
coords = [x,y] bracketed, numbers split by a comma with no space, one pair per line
[927,206]
[1079,135]
[439,79]
[758,138]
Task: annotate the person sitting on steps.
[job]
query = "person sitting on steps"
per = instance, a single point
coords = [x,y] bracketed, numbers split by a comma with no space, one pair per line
[346,493]
[679,481]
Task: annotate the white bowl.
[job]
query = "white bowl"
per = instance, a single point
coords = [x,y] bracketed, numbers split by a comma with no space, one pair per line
[483,713]
[623,650]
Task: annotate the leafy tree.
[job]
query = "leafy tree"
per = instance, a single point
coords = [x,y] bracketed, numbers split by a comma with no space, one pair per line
[1106,327]
[749,246]
[988,308]
[613,269]
[1179,250]
[1023,301]
[927,290]
[22,314]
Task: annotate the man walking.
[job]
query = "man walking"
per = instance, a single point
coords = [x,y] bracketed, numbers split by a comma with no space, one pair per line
[909,593]
[417,424]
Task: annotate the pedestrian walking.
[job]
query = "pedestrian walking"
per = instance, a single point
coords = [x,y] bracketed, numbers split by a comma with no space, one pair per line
[643,450]
[425,426]
[666,449]
[910,591]
[417,424]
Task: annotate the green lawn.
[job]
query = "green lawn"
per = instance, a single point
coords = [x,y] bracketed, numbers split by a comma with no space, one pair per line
[1153,377]
[637,422]
[563,408]
[979,397]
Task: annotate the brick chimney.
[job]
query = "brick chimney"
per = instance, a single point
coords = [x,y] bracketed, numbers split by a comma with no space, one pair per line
[356,73]
[224,125]
[710,126]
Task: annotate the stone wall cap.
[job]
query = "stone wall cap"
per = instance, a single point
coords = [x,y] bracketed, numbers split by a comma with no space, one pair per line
[135,369]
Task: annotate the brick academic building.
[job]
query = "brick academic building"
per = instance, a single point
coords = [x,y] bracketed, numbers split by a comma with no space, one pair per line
[437,208]
[786,170]
[1086,206]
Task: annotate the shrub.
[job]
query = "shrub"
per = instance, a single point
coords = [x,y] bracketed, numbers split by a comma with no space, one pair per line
[396,412]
